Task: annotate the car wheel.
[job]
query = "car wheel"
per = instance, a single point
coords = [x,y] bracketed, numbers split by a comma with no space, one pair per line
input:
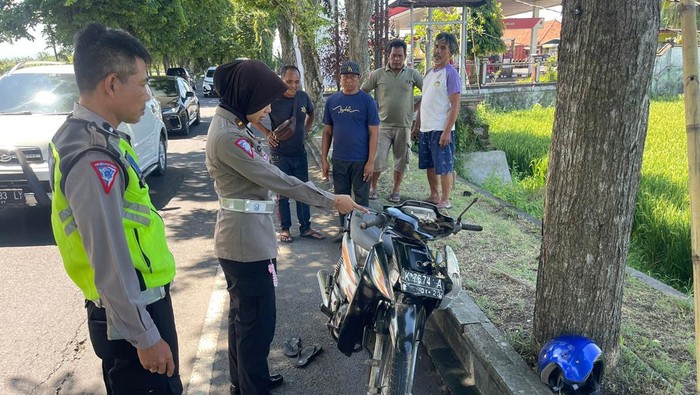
[186,124]
[197,120]
[162,157]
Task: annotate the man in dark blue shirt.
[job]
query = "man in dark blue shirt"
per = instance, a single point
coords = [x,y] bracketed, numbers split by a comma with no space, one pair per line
[290,155]
[351,122]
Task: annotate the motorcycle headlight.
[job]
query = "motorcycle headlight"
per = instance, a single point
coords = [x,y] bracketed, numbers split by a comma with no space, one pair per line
[377,269]
[394,274]
[360,253]
[452,267]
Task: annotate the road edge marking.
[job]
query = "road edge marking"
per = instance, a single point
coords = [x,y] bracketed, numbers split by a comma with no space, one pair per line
[200,379]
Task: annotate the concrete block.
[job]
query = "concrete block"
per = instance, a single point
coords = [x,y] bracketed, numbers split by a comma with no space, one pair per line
[481,165]
[463,314]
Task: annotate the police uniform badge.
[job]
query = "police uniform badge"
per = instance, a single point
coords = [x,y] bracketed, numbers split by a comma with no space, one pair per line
[244,144]
[106,173]
[303,109]
[261,152]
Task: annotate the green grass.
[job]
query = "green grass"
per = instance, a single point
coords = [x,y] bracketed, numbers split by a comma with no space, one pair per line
[660,243]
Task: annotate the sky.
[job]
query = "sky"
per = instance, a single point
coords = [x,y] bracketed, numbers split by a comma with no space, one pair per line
[23,47]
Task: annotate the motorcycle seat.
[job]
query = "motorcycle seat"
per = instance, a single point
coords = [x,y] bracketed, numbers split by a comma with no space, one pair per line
[367,238]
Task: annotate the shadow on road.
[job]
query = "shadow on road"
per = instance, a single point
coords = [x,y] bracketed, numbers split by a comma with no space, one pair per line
[65,383]
[26,227]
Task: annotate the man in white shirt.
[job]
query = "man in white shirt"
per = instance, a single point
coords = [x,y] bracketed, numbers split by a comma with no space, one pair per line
[436,121]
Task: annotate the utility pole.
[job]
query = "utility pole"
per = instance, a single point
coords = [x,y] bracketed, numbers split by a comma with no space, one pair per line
[692,130]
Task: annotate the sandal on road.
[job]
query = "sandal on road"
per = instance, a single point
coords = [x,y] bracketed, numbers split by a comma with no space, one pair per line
[307,354]
[395,197]
[373,194]
[312,234]
[445,204]
[285,236]
[292,347]
[428,200]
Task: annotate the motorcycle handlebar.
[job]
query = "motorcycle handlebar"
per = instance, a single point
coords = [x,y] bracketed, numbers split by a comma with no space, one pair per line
[380,220]
[474,228]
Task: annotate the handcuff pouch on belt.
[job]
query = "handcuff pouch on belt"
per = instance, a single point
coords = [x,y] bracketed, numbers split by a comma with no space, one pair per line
[247,206]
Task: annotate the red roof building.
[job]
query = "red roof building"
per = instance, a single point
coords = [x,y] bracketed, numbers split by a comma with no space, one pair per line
[519,39]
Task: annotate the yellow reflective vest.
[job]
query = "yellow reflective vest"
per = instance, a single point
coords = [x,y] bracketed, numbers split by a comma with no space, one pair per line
[143,226]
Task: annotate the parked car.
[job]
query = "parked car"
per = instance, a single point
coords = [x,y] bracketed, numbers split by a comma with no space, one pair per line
[208,83]
[182,73]
[35,99]
[178,103]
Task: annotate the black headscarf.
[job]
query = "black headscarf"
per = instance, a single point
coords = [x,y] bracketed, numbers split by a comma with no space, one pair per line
[246,86]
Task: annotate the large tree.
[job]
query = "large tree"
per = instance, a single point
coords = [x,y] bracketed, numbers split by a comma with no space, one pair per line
[207,32]
[307,23]
[253,31]
[358,15]
[334,50]
[606,59]
[286,32]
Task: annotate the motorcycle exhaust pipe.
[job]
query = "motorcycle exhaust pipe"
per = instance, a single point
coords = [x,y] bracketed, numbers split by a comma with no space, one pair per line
[322,277]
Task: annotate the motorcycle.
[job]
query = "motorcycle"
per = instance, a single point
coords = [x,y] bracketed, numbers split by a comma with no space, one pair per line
[386,284]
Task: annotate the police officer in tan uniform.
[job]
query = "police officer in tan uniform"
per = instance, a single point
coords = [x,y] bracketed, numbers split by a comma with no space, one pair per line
[110,236]
[245,241]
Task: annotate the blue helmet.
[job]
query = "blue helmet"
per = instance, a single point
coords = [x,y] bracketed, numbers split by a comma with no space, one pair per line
[571,364]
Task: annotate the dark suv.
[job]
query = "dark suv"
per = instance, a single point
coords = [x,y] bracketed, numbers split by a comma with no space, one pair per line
[182,73]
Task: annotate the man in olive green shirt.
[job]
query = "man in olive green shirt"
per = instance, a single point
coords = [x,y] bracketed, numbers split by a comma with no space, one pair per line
[393,87]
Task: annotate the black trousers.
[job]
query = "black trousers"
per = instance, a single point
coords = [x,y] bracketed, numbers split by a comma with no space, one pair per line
[251,323]
[347,178]
[121,369]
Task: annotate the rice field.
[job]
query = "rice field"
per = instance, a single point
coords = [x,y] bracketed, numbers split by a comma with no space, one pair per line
[660,244]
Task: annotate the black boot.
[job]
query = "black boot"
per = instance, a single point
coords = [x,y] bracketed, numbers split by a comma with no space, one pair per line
[276,380]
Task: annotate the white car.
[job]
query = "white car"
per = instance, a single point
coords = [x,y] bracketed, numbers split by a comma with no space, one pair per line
[35,99]
[208,82]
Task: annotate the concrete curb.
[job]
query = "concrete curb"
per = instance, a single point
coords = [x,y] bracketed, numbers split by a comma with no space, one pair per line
[485,357]
[467,349]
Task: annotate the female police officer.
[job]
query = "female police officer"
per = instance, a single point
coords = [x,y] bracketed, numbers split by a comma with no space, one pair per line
[244,238]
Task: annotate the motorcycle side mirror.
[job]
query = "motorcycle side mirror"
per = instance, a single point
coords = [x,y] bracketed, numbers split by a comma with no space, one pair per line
[459,219]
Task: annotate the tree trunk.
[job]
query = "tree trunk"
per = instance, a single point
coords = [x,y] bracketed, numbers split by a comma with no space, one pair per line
[306,30]
[358,15]
[284,26]
[313,80]
[166,62]
[605,67]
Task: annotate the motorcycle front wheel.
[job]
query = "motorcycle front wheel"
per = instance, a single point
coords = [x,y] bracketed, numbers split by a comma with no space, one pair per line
[394,373]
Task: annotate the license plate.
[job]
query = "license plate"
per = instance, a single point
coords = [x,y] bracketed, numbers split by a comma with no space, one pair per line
[11,197]
[422,284]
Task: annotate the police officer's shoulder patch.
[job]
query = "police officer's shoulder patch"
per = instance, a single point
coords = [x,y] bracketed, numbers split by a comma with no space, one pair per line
[106,172]
[244,144]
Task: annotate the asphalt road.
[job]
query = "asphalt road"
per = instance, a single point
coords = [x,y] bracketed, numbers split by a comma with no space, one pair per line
[44,348]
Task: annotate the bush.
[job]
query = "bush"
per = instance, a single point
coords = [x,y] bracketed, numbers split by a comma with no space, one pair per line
[465,139]
[551,75]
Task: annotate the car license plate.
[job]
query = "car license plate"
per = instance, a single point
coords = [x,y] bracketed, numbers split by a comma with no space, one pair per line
[11,197]
[422,284]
